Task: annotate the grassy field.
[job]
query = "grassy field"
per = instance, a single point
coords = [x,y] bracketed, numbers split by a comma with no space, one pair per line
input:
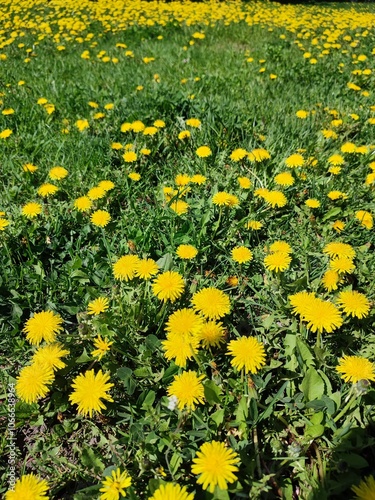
[187,250]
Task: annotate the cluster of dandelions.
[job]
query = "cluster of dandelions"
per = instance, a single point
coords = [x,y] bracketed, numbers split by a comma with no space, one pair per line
[215,465]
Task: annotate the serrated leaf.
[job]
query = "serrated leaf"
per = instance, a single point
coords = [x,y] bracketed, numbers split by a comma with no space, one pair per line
[166,262]
[90,460]
[212,392]
[84,357]
[218,417]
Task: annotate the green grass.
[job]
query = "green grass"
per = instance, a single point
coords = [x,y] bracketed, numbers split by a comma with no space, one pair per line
[300,431]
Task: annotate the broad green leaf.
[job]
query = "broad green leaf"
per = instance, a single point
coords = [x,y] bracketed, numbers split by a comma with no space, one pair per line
[218,417]
[312,385]
[305,352]
[314,431]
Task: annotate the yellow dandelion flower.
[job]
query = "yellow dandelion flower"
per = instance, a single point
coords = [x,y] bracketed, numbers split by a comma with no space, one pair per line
[98,306]
[355,368]
[33,381]
[102,347]
[134,176]
[220,198]
[184,134]
[277,261]
[248,354]
[89,390]
[43,326]
[330,280]
[50,355]
[126,127]
[280,246]
[182,180]
[337,195]
[232,200]
[159,123]
[275,199]
[302,114]
[244,182]
[203,151]
[193,122]
[168,286]
[130,156]
[188,389]
[354,303]
[4,134]
[338,249]
[198,179]
[348,147]
[362,150]
[180,207]
[186,251]
[232,281]
[47,190]
[238,154]
[29,167]
[31,210]
[3,224]
[254,225]
[302,302]
[241,254]
[150,131]
[312,203]
[211,303]
[100,218]
[146,269]
[336,160]
[145,151]
[184,322]
[323,316]
[116,145]
[28,487]
[7,111]
[215,464]
[83,203]
[114,485]
[106,185]
[170,491]
[124,268]
[365,218]
[96,193]
[334,170]
[180,348]
[342,265]
[284,179]
[82,125]
[365,490]
[329,134]
[57,173]
[258,155]
[338,226]
[138,126]
[211,334]
[295,160]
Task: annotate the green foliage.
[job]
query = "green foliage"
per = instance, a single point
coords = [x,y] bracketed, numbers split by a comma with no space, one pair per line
[297,426]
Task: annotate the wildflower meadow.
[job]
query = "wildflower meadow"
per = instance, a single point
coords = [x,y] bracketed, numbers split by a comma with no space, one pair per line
[187,270]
